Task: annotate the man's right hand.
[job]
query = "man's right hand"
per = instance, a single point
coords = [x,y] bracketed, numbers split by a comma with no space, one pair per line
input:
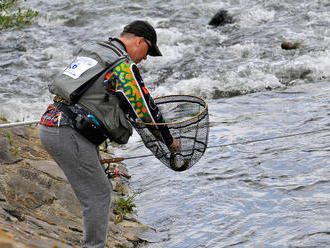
[175,146]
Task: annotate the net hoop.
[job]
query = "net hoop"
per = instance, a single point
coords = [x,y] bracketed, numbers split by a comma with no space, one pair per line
[157,99]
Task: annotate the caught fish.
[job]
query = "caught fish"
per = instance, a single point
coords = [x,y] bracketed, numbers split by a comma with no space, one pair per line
[178,162]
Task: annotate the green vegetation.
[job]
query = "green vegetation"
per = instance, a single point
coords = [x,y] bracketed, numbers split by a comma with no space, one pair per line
[9,137]
[15,150]
[124,206]
[11,15]
[2,117]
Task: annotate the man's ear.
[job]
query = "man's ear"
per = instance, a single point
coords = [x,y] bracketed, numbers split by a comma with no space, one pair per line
[138,41]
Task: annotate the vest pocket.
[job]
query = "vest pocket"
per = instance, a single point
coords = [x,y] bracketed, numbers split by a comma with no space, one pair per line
[118,127]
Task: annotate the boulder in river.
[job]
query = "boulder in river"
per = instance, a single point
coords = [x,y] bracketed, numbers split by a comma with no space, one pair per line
[221,18]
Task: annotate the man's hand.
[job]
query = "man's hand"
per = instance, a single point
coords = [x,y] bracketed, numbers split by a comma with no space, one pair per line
[175,146]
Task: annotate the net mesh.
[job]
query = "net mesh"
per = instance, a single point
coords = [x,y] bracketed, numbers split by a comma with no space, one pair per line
[187,119]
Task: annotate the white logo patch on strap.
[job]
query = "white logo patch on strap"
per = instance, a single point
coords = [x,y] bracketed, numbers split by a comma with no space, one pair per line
[79,66]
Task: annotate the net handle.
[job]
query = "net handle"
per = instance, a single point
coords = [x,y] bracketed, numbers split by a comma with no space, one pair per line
[177,122]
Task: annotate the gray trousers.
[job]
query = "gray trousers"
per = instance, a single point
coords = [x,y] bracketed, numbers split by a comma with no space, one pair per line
[79,160]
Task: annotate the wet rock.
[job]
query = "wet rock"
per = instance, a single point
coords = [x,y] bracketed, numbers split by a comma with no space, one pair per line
[6,156]
[142,232]
[221,18]
[289,45]
[151,236]
[21,48]
[131,217]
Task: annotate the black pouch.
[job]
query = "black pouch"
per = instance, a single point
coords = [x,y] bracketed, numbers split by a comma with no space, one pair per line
[90,130]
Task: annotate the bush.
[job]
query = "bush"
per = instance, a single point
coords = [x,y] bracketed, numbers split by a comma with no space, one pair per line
[11,15]
[123,207]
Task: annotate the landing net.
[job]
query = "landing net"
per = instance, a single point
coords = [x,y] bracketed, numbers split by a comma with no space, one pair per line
[187,119]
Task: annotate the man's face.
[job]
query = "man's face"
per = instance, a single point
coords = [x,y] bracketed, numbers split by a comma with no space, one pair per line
[139,50]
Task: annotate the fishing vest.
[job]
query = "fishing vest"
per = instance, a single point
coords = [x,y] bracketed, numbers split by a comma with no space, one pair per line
[83,83]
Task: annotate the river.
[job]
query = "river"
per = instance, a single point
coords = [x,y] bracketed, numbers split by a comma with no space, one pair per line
[272,193]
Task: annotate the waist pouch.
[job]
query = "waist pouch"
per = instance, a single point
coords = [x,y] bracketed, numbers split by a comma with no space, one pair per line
[83,125]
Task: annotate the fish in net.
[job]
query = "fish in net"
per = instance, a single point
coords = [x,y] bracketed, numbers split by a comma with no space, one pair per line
[188,120]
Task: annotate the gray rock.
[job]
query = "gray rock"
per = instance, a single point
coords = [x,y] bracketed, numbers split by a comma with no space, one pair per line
[33,175]
[41,225]
[68,200]
[27,193]
[127,244]
[5,154]
[20,131]
[4,214]
[123,171]
[2,197]
[143,232]
[42,243]
[151,235]
[49,167]
[14,212]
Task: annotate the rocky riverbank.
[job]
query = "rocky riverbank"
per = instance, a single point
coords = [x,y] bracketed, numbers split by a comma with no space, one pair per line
[38,207]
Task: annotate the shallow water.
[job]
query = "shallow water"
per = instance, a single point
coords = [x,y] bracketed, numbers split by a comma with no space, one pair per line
[265,194]
[272,193]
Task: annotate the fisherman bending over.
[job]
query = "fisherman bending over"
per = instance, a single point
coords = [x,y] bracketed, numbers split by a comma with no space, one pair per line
[94,97]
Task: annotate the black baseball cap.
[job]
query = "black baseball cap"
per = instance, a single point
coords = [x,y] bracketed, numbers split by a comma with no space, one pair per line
[145,30]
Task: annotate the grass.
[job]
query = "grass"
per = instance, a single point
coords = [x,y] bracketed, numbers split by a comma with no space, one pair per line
[124,206]
[10,138]
[2,117]
[15,148]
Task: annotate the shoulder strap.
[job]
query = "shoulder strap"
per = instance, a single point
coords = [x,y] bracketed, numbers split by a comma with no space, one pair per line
[113,47]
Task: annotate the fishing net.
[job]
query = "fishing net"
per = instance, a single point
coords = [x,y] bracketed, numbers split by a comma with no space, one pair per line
[187,119]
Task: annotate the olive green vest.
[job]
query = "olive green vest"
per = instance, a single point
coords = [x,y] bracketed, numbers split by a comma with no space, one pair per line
[91,60]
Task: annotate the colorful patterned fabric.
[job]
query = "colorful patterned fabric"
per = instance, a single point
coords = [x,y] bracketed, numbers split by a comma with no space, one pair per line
[126,80]
[54,117]
[51,117]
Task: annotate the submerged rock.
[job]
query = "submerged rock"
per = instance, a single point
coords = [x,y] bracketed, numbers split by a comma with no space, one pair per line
[221,18]
[289,45]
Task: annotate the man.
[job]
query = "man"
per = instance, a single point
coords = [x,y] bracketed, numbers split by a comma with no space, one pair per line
[94,96]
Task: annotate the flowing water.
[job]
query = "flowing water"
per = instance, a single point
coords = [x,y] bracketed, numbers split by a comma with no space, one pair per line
[273,193]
